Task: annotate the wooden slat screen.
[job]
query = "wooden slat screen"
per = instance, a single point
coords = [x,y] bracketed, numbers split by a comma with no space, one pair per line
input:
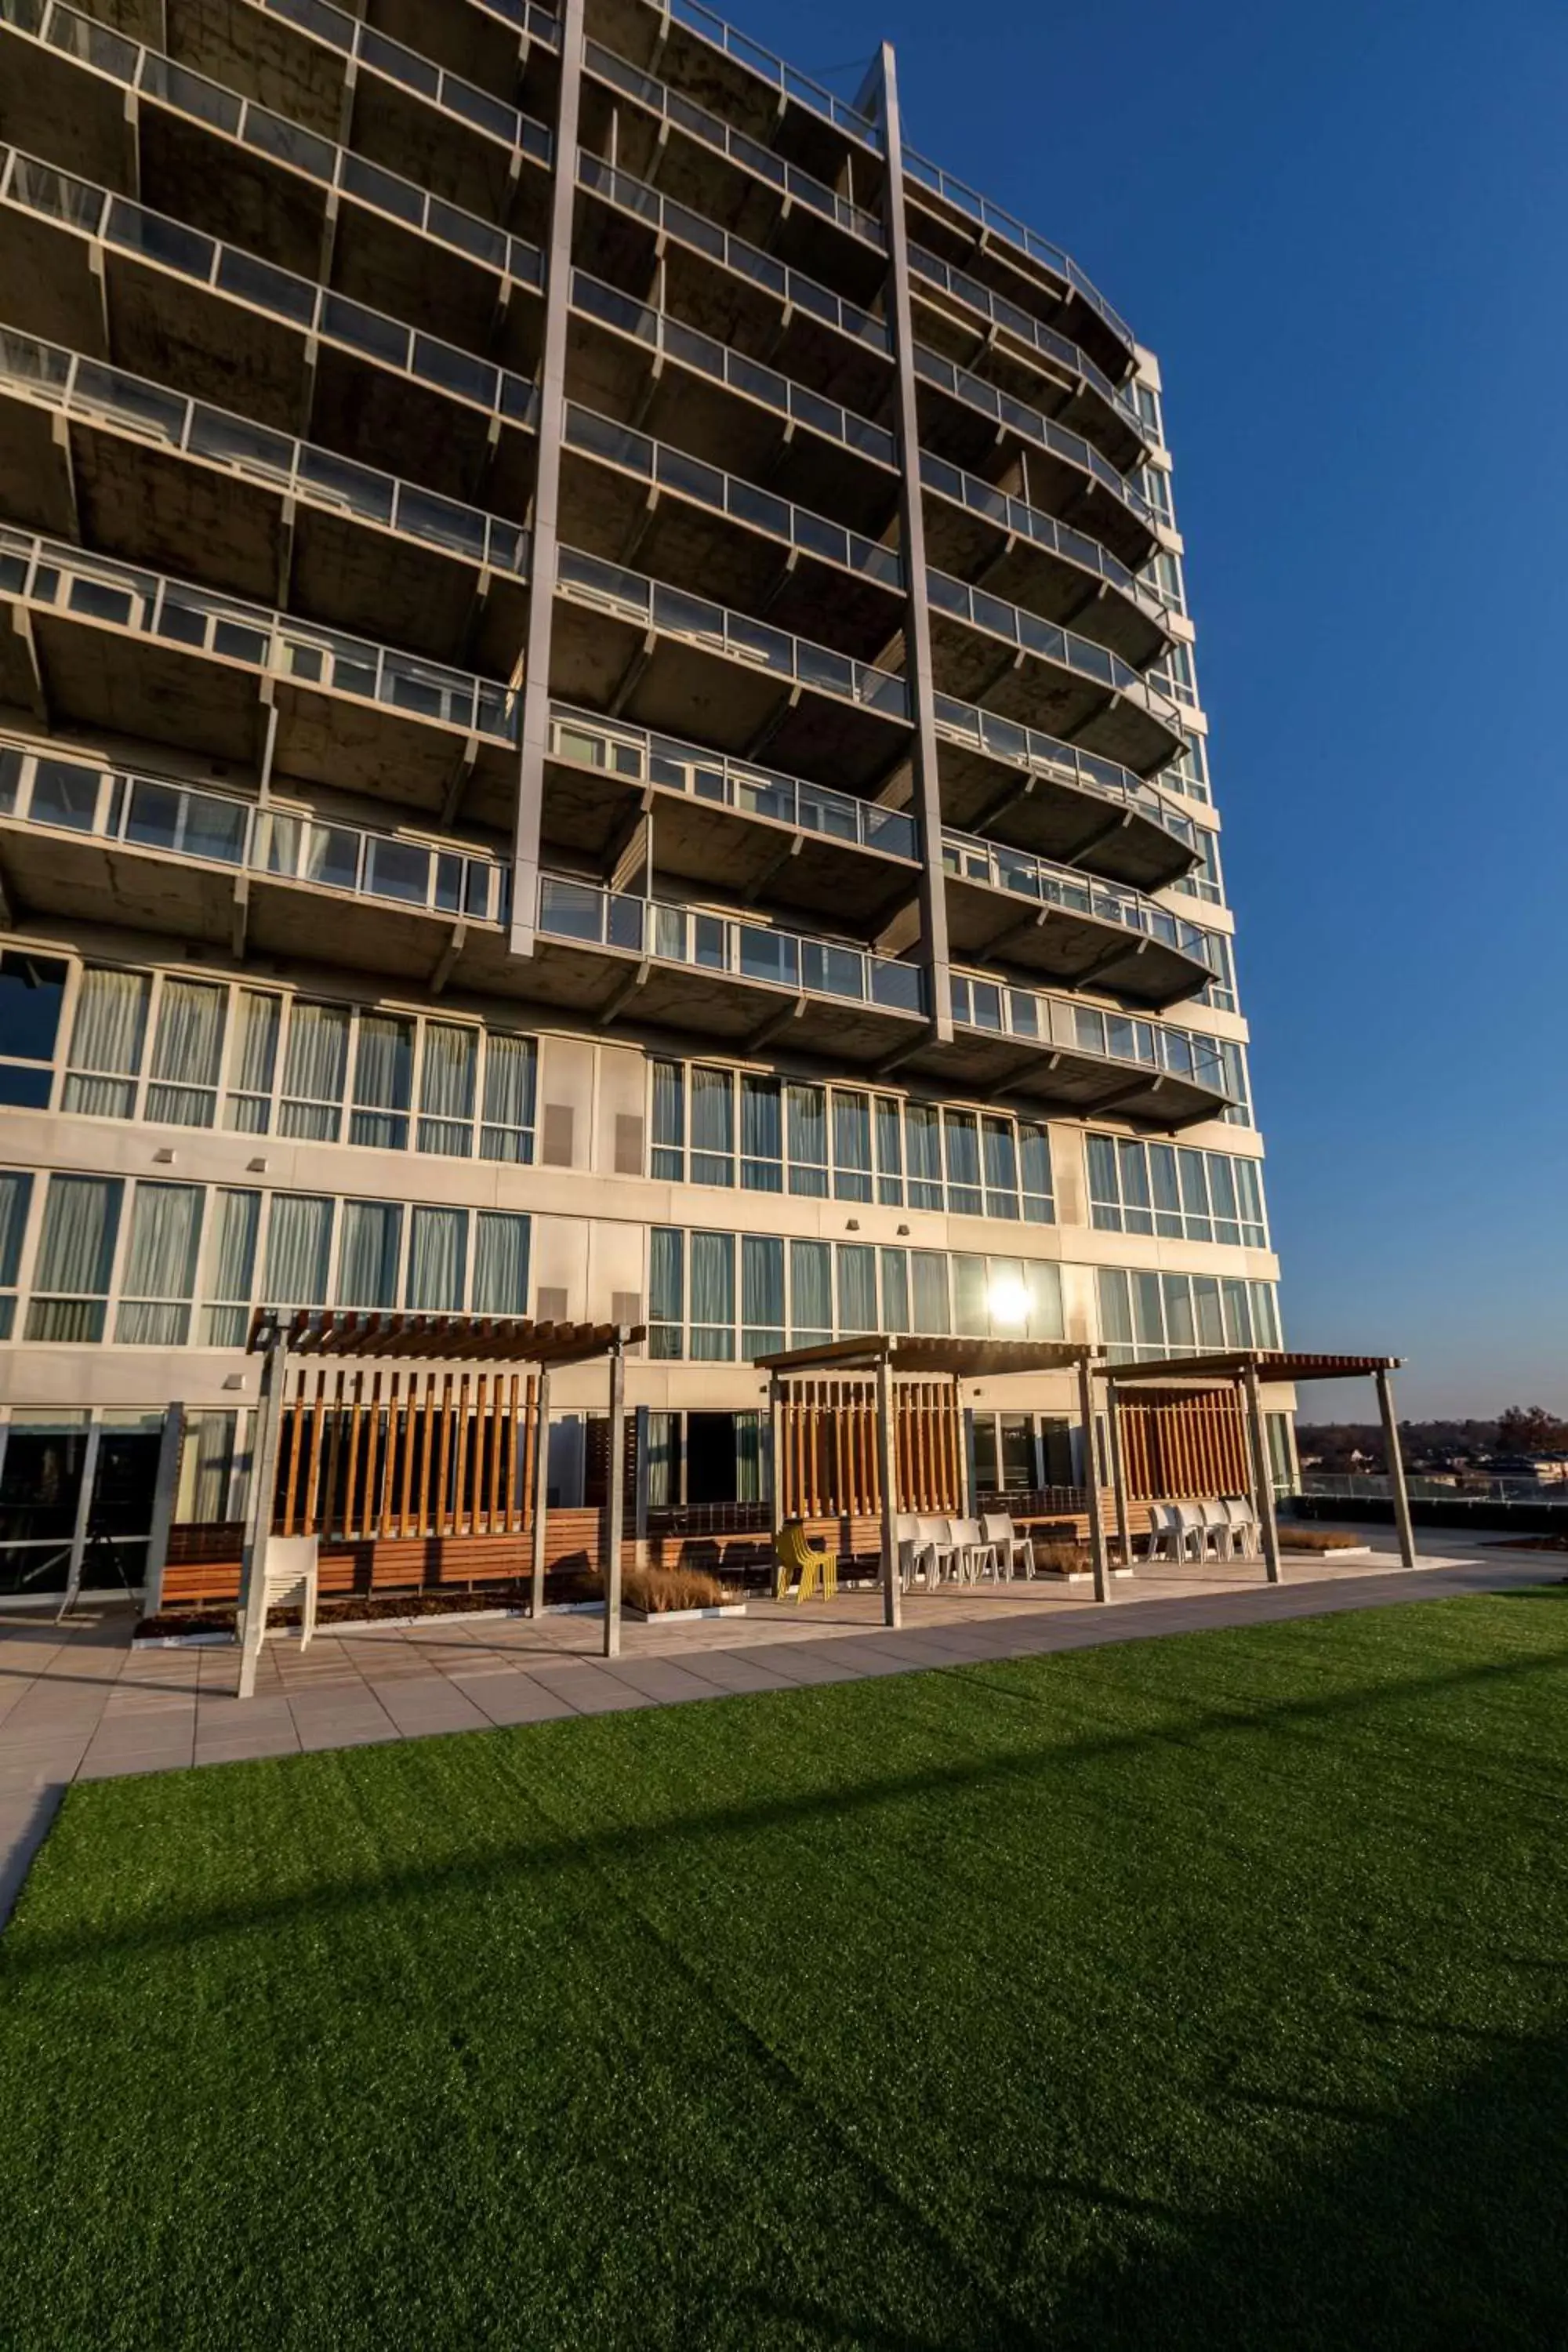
[828,1465]
[1185,1443]
[406,1454]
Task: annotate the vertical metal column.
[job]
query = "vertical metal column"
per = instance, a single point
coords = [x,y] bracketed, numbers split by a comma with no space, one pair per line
[879,93]
[1262,1471]
[259,1519]
[1395,1468]
[541,1492]
[888,1470]
[541,564]
[614,1507]
[1091,1480]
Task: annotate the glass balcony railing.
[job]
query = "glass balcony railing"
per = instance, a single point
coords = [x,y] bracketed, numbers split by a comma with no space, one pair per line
[1018,745]
[88,388]
[91,588]
[1038,880]
[1016,627]
[674,107]
[773,71]
[1061,1021]
[975,392]
[225,269]
[794,660]
[727,494]
[1025,521]
[273,135]
[590,742]
[336,25]
[719,943]
[703,236]
[724,365]
[1029,330]
[112,805]
[1002,224]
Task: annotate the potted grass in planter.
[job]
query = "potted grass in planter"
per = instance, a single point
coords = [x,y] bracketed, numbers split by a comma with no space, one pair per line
[670,1594]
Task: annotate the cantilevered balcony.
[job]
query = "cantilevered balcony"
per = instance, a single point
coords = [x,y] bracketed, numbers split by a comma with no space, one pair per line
[105,277]
[140,471]
[740,829]
[703,275]
[987,651]
[710,163]
[217,161]
[85,643]
[603,955]
[1014,784]
[629,359]
[1008,908]
[625,497]
[629,647]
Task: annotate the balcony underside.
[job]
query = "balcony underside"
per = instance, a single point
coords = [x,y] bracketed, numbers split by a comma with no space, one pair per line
[971,547]
[976,669]
[61,671]
[955,238]
[606,663]
[999,1069]
[614,374]
[987,924]
[155,323]
[742,859]
[969,437]
[74,478]
[1057,819]
[623,249]
[671,539]
[1070,400]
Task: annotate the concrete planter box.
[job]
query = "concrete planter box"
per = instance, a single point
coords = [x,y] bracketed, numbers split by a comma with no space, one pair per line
[680,1616]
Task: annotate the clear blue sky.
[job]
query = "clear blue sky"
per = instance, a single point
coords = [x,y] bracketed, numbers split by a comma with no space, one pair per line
[1343,230]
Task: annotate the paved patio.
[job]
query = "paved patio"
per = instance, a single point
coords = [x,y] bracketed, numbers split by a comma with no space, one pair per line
[77,1703]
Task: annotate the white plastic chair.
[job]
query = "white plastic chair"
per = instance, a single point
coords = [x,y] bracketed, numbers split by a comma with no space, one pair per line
[1191,1531]
[1245,1532]
[1163,1539]
[935,1538]
[290,1580]
[976,1556]
[1013,1552]
[1218,1529]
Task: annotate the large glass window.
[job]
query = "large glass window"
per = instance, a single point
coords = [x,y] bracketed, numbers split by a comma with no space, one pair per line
[187,1054]
[16,1200]
[107,1041]
[32,990]
[761,1295]
[299,1250]
[76,1258]
[762,1136]
[160,1276]
[712,1126]
[315,1072]
[811,1293]
[384,1080]
[1175,1191]
[437,1260]
[961,1135]
[500,1263]
[370,1249]
[1152,1314]
[258,1026]
[511,1077]
[666,1292]
[713,1296]
[449,1080]
[807,1129]
[228,1280]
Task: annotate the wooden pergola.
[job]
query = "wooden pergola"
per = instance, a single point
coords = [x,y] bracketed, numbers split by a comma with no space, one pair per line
[888,1356]
[514,1342]
[1243,1371]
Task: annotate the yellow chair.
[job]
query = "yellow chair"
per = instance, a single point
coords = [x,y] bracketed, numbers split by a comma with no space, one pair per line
[798,1554]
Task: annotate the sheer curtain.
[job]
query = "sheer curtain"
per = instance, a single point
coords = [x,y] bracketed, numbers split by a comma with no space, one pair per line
[751,1428]
[1043,1281]
[889,1151]
[663,1440]
[500,1264]
[811,1293]
[714,1298]
[851,1146]
[187,1054]
[315,1072]
[255,1061]
[1001,1167]
[666,1291]
[107,1042]
[447,1077]
[895,1290]
[761,1295]
[922,1136]
[856,1289]
[929,1268]
[367,1261]
[807,1118]
[298,1249]
[971,1300]
[16,1195]
[712,1127]
[1035,1162]
[160,1266]
[670,1120]
[383,1078]
[508,1098]
[762,1136]
[230,1268]
[76,1258]
[439,1260]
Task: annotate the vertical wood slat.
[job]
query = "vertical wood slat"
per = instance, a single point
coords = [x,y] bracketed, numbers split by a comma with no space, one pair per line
[312,1523]
[296,1432]
[405,1488]
[438,1516]
[351,1483]
[389,1457]
[519,1517]
[461,1505]
[492,1500]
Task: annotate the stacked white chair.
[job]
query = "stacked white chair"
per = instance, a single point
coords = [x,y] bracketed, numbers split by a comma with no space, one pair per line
[1015,1553]
[1245,1532]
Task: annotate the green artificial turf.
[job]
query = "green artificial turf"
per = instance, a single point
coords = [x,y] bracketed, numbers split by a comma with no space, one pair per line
[1201,1992]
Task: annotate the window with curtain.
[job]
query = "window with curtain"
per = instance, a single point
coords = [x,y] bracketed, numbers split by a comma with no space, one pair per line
[449,1079]
[1043,1281]
[810,1293]
[15,1199]
[506,1133]
[960,1134]
[32,990]
[76,1258]
[669,1121]
[889,1151]
[663,1459]
[928,1273]
[851,1146]
[254,1067]
[712,1126]
[1115,1313]
[187,1054]
[750,1444]
[368,1252]
[762,1136]
[1000,1162]
[299,1250]
[895,1270]
[666,1291]
[160,1276]
[714,1298]
[806,1109]
[383,1082]
[206,1467]
[761,1295]
[500,1263]
[922,1141]
[315,1072]
[857,1289]
[107,1041]
[972,1297]
[1035,1167]
[437,1261]
[228,1279]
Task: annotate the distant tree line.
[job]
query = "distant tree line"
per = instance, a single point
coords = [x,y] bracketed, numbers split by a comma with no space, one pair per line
[1523,1429]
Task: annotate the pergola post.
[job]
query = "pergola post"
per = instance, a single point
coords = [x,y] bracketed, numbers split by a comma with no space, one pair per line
[1395,1466]
[965,1460]
[1091,1480]
[1262,1473]
[615,1511]
[887,1474]
[541,1492]
[1118,1472]
[776,1453]
[259,1517]
[165,1486]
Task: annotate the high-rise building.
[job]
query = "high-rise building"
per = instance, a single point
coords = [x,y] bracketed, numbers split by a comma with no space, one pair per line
[598,721]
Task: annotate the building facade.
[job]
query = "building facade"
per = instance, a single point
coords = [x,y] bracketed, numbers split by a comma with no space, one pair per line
[597,719]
